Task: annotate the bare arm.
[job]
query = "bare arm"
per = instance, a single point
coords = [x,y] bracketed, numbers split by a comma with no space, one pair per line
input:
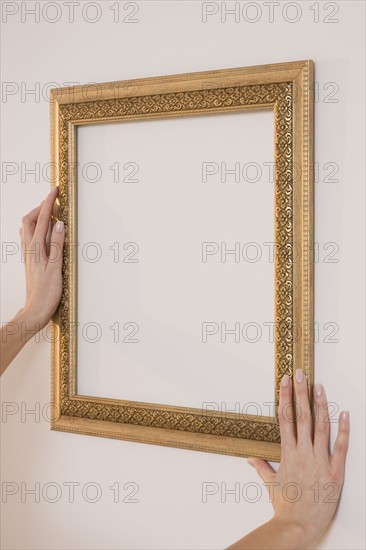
[42,250]
[306,488]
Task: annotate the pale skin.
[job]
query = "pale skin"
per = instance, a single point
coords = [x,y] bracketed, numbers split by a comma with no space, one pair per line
[306,488]
[42,253]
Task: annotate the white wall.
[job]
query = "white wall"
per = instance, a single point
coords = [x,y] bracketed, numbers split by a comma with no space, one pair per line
[171,38]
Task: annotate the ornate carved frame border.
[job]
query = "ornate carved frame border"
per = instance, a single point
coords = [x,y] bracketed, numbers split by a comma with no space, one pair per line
[285,88]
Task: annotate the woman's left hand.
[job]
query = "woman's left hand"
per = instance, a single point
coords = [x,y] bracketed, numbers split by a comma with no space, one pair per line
[42,250]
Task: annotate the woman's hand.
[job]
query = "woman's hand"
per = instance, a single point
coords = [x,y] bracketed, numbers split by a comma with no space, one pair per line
[306,488]
[42,250]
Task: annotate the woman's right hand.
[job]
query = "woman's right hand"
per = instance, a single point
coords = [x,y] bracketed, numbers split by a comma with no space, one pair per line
[306,488]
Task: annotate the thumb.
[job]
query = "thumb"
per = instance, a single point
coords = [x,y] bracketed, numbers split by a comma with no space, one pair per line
[264,470]
[57,243]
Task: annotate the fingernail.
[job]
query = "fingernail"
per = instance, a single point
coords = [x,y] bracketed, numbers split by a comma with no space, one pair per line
[345,416]
[59,227]
[299,375]
[318,390]
[285,380]
[250,461]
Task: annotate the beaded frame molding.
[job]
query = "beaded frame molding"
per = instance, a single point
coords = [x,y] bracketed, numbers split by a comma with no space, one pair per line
[287,90]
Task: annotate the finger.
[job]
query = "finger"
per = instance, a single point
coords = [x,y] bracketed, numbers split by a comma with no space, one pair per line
[321,424]
[264,470]
[44,218]
[29,222]
[341,446]
[21,245]
[48,237]
[286,416]
[302,412]
[57,244]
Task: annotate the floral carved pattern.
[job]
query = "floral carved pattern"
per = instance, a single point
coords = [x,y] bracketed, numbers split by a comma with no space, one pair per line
[276,96]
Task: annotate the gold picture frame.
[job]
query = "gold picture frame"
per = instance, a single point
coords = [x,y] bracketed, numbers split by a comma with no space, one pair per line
[285,88]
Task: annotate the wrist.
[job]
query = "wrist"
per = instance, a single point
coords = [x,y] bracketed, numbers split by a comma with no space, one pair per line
[35,316]
[27,324]
[294,533]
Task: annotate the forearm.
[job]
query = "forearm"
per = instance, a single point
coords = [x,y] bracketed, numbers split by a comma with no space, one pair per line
[14,335]
[275,534]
